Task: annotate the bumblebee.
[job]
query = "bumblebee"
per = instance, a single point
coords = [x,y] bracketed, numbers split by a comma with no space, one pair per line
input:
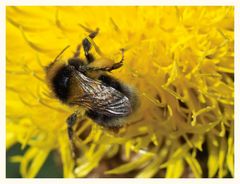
[85,83]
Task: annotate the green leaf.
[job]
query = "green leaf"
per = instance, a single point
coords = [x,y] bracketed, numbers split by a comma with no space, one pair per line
[37,163]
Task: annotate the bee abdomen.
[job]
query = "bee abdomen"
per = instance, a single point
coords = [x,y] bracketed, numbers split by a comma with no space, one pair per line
[107,121]
[125,90]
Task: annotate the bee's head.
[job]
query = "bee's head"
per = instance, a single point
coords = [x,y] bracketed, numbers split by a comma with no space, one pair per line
[59,73]
[58,77]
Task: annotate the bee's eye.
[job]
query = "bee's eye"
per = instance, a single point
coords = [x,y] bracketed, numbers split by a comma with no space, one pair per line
[65,81]
[61,83]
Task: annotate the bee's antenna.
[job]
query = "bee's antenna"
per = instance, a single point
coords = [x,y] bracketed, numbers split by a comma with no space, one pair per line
[61,53]
[122,50]
[56,59]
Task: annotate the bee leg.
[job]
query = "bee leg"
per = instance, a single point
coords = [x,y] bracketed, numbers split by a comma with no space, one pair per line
[118,64]
[71,120]
[108,69]
[87,45]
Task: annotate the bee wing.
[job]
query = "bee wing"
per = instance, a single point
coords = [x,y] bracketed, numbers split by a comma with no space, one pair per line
[101,98]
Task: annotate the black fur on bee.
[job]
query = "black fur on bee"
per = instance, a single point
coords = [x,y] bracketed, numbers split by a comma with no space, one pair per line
[78,82]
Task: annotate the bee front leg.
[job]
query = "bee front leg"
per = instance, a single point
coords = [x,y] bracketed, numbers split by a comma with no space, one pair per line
[118,64]
[87,45]
[107,68]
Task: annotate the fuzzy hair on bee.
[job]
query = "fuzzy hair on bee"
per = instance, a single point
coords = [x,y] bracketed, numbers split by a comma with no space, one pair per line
[88,84]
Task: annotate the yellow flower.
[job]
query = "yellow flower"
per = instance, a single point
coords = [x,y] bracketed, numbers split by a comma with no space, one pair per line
[179,59]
